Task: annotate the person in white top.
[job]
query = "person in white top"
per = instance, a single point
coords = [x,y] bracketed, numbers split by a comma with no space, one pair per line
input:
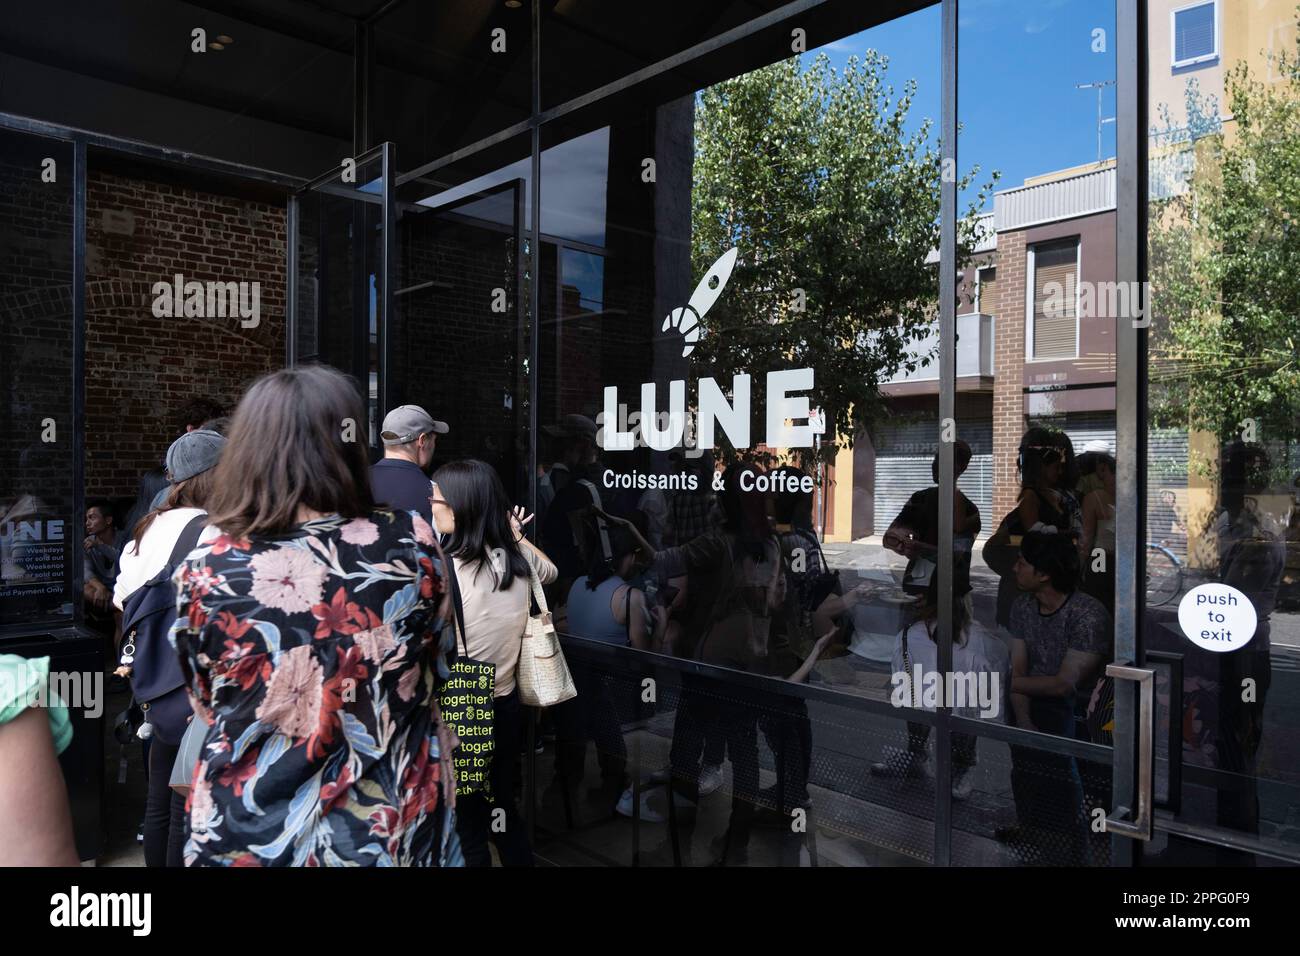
[977,683]
[190,462]
[493,563]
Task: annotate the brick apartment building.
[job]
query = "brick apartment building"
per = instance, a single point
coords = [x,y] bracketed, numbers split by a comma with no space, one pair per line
[1016,365]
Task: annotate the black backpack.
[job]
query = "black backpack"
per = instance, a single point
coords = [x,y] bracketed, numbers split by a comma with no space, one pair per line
[147,617]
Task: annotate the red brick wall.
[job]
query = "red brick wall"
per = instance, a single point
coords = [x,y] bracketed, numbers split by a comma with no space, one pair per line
[1008,369]
[140,369]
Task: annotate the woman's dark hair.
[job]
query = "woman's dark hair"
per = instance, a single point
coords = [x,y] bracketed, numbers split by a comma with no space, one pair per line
[744,513]
[1070,469]
[473,491]
[792,507]
[296,440]
[197,411]
[1055,555]
[621,544]
[1038,447]
[193,492]
[928,610]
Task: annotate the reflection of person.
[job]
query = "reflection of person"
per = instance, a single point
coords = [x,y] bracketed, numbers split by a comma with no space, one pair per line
[1046,469]
[812,584]
[493,563]
[1060,637]
[974,652]
[1099,535]
[1166,522]
[915,532]
[1249,535]
[603,605]
[400,479]
[691,512]
[574,441]
[35,822]
[735,573]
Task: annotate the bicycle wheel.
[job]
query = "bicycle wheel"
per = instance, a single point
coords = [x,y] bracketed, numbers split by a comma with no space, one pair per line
[1164,576]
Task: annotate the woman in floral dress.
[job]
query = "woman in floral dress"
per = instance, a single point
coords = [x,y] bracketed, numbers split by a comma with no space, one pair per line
[311,633]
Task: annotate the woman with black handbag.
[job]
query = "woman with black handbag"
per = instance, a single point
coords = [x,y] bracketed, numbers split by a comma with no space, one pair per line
[145,595]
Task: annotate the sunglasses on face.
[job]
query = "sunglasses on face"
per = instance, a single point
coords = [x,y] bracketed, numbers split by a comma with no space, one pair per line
[1047,454]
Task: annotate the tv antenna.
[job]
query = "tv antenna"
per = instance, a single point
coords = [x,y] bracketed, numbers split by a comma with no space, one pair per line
[1098,86]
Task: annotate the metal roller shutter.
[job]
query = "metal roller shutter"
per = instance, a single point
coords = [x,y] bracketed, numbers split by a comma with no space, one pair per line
[903,456]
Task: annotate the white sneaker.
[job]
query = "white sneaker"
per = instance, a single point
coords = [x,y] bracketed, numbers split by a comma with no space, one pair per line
[648,814]
[710,780]
[962,782]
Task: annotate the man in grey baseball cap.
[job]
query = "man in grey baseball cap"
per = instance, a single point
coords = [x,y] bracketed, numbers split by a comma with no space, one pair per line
[400,479]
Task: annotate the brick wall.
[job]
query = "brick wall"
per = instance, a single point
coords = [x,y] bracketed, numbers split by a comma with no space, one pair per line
[1008,367]
[141,369]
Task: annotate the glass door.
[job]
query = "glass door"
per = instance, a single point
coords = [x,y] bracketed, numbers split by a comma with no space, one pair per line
[341,249]
[1221,625]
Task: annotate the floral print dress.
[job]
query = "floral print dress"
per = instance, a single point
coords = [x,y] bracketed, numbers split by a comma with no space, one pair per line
[315,656]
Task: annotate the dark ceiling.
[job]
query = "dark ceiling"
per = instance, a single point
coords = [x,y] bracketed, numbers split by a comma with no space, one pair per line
[280,95]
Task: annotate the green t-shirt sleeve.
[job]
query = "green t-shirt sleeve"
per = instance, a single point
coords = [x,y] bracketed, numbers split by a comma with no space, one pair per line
[24,682]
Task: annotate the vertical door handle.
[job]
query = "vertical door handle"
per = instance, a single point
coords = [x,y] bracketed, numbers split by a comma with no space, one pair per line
[1136,823]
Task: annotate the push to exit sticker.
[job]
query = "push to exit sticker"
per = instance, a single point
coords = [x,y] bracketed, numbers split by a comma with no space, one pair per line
[1217,617]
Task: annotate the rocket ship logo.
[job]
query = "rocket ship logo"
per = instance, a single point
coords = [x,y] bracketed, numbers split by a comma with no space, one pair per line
[686,319]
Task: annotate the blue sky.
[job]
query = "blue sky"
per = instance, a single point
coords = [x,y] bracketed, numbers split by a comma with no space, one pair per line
[1018,63]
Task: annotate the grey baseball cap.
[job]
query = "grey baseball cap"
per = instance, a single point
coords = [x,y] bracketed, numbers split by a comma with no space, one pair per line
[193,454]
[407,423]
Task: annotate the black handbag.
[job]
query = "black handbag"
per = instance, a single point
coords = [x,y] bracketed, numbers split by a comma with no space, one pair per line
[467,706]
[1003,548]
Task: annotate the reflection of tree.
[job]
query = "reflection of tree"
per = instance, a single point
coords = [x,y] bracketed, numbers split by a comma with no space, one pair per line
[814,176]
[1225,270]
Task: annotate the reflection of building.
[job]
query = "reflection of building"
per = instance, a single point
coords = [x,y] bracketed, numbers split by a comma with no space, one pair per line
[1193,49]
[1020,360]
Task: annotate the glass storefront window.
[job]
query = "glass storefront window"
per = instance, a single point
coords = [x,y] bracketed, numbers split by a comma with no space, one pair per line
[1035,400]
[38,524]
[460,339]
[1222,621]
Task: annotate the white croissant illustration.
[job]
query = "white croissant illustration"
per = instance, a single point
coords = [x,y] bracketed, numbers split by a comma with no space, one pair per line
[686,319]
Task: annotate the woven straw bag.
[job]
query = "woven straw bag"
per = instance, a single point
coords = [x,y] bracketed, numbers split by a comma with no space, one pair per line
[543,676]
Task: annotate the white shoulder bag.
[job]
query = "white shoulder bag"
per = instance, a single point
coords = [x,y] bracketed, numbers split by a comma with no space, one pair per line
[543,676]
